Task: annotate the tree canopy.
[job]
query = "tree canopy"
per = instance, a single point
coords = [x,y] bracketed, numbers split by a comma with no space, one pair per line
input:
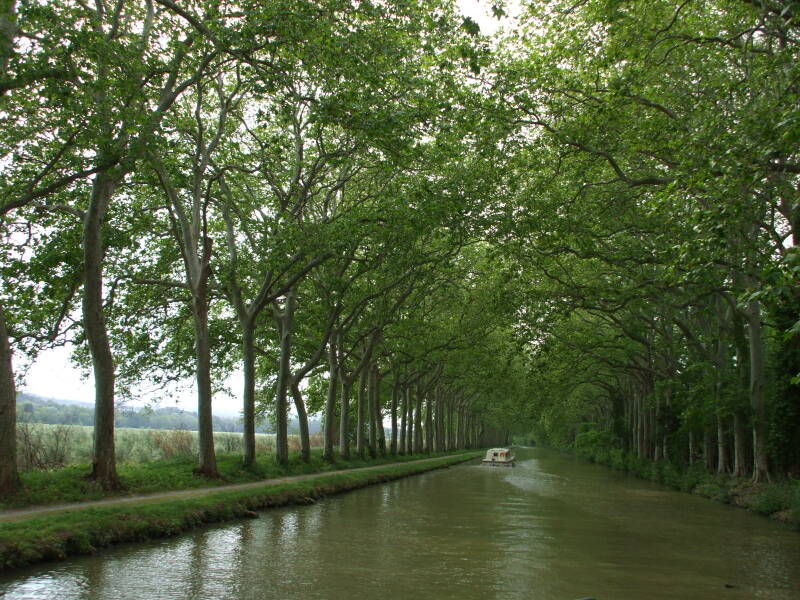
[582,229]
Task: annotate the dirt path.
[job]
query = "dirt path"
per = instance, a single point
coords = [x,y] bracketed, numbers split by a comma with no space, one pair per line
[19,514]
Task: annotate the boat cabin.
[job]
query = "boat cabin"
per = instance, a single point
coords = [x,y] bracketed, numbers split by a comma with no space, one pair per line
[500,457]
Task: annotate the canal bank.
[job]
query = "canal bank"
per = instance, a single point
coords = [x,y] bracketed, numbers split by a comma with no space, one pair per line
[55,533]
[778,500]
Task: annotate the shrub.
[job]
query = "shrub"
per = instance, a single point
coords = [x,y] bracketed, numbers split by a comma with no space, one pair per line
[775,497]
[265,444]
[228,442]
[42,447]
[177,443]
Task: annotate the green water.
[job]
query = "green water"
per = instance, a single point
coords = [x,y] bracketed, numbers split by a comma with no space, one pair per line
[550,529]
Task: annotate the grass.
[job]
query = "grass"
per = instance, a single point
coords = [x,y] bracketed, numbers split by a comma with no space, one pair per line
[69,484]
[57,536]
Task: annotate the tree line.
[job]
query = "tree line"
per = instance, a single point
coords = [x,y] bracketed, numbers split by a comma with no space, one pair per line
[33,409]
[376,212]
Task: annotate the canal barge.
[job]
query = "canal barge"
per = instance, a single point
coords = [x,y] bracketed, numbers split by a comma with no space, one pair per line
[499,457]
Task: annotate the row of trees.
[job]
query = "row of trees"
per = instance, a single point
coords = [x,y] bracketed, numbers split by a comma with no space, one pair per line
[193,188]
[657,223]
[375,212]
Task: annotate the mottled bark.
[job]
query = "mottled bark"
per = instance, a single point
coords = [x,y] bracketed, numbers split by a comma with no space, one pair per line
[361,416]
[104,469]
[9,478]
[438,441]
[379,416]
[740,460]
[403,418]
[741,440]
[395,394]
[330,400]
[249,400]
[760,463]
[372,392]
[302,420]
[205,420]
[429,424]
[418,422]
[344,419]
[285,327]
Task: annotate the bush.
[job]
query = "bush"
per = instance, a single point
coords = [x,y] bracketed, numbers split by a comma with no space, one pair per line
[776,497]
[42,447]
[177,443]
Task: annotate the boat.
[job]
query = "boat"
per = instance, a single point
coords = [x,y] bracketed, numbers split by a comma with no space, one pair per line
[499,457]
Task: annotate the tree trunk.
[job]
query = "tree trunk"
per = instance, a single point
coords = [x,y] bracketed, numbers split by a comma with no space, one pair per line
[104,469]
[249,402]
[418,423]
[760,464]
[330,401]
[709,454]
[344,419]
[449,445]
[403,419]
[379,414]
[285,326]
[740,461]
[362,405]
[9,478]
[741,441]
[439,441]
[409,419]
[395,393]
[429,424]
[205,419]
[462,428]
[372,384]
[302,420]
[723,458]
[657,431]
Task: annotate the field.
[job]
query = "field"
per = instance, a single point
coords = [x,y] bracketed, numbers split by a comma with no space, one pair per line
[43,447]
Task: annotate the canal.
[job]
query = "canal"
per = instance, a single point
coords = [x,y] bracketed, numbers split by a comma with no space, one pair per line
[553,528]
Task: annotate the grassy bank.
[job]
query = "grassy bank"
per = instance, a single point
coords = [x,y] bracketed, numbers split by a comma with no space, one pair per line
[778,500]
[69,484]
[82,532]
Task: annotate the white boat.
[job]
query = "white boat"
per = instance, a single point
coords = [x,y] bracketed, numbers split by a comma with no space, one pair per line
[499,457]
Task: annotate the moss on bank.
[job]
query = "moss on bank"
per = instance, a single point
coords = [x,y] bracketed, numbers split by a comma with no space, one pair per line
[58,536]
[778,500]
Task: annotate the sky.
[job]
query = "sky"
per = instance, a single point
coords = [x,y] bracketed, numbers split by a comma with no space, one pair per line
[54,376]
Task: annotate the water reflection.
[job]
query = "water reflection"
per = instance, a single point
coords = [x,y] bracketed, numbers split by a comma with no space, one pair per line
[550,529]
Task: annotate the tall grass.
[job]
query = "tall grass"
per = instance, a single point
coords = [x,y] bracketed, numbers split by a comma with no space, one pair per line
[43,447]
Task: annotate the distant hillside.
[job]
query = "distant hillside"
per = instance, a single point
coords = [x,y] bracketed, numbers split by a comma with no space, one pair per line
[35,409]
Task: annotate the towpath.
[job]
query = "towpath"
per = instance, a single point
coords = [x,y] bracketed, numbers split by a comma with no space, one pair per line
[18,514]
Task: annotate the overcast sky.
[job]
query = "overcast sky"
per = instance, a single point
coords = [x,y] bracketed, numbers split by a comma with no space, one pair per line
[53,375]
